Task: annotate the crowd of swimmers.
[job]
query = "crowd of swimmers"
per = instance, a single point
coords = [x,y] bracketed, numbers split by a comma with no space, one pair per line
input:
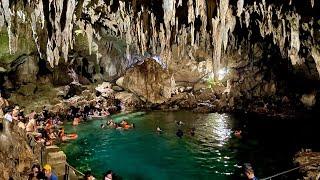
[124,124]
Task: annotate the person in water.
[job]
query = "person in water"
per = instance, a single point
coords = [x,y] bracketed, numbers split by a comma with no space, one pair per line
[179,133]
[180,123]
[64,137]
[159,130]
[102,126]
[248,171]
[237,133]
[76,120]
[192,131]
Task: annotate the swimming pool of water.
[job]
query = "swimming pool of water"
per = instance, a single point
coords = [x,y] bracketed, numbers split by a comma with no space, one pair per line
[213,153]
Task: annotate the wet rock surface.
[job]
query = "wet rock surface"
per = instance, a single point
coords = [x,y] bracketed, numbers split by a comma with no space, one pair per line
[311,164]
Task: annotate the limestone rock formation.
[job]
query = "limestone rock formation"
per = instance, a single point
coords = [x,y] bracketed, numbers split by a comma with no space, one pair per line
[128,100]
[16,156]
[150,81]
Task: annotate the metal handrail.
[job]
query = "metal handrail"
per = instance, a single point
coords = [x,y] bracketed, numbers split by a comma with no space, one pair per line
[290,170]
[74,169]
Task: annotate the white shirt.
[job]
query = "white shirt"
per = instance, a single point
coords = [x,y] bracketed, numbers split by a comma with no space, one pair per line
[8,117]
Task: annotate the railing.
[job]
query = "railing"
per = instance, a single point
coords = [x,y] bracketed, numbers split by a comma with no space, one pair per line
[290,170]
[67,175]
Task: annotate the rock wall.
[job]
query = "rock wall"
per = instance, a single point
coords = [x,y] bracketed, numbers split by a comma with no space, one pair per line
[258,43]
[16,156]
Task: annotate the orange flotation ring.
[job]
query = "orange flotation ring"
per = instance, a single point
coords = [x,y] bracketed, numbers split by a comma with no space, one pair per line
[72,136]
[127,126]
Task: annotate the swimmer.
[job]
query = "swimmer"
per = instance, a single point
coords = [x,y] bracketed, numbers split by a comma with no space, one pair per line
[237,133]
[192,131]
[159,130]
[179,123]
[179,133]
[102,126]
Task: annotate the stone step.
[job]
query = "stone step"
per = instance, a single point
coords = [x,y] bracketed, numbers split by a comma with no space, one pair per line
[56,157]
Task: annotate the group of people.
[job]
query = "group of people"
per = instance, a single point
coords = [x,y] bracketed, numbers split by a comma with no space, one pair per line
[179,132]
[124,124]
[108,175]
[41,127]
[45,174]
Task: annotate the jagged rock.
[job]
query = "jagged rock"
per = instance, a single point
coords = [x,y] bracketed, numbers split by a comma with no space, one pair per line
[74,89]
[83,80]
[61,76]
[2,69]
[119,81]
[200,86]
[308,100]
[128,99]
[27,71]
[7,83]
[117,88]
[27,90]
[105,89]
[150,81]
[102,88]
[310,162]
[16,156]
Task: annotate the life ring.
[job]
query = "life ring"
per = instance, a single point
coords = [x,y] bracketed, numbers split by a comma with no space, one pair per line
[71,136]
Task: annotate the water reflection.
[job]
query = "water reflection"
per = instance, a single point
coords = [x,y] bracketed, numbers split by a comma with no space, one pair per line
[203,155]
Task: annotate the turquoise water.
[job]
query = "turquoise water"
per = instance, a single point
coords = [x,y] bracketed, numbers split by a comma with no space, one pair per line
[213,153]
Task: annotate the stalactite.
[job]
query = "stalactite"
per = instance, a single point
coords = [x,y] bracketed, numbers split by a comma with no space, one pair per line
[201,10]
[67,31]
[191,19]
[240,4]
[6,12]
[247,18]
[315,53]
[312,3]
[154,34]
[293,52]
